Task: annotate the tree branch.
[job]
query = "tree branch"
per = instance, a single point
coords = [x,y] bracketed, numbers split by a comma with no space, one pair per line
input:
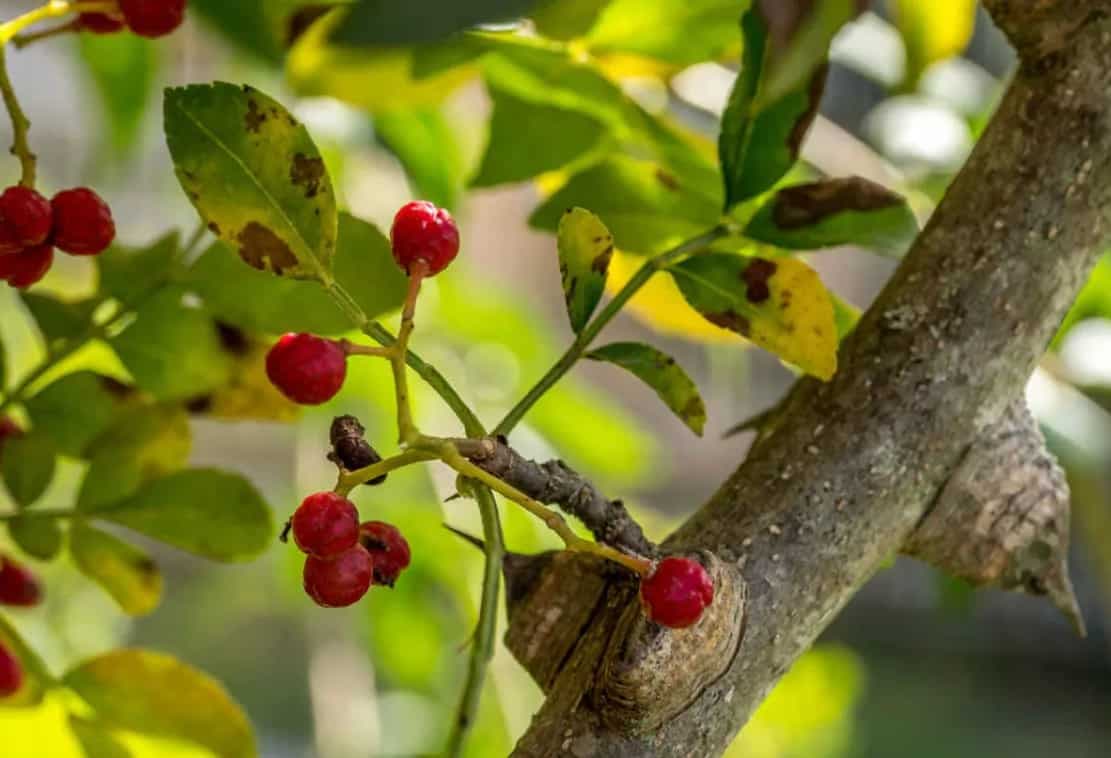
[841,482]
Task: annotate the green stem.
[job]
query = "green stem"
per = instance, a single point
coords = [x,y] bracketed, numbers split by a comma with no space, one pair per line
[351,479]
[21,147]
[599,322]
[406,429]
[52,9]
[19,392]
[49,513]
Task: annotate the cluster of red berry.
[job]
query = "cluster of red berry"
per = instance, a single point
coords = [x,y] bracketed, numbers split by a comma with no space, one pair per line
[147,18]
[18,587]
[344,557]
[77,221]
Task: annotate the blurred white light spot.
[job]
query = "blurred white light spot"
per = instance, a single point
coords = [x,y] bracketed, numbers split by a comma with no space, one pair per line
[649,93]
[918,133]
[872,47]
[705,86]
[961,85]
[329,119]
[1086,352]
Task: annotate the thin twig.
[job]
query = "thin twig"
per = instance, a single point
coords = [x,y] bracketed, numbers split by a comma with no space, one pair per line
[21,147]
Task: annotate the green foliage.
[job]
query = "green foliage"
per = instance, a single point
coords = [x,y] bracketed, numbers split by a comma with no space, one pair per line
[58,319]
[125,572]
[382,22]
[660,372]
[255,176]
[76,409]
[422,139]
[130,274]
[40,538]
[123,69]
[585,248]
[28,466]
[681,32]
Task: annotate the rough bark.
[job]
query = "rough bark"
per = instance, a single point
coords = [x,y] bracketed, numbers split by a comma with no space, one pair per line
[856,463]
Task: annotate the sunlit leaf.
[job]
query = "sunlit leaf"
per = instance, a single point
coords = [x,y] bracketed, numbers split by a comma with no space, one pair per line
[214,514]
[124,571]
[678,31]
[585,248]
[660,372]
[780,305]
[566,19]
[77,408]
[40,538]
[426,144]
[28,466]
[123,68]
[255,176]
[385,22]
[834,212]
[96,740]
[933,31]
[152,693]
[129,274]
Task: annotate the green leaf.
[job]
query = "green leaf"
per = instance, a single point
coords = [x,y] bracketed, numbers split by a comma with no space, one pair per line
[96,741]
[387,22]
[130,273]
[28,466]
[660,372]
[40,538]
[155,694]
[833,212]
[58,319]
[124,571]
[780,305]
[238,22]
[142,444]
[123,68]
[646,207]
[567,19]
[36,676]
[364,266]
[173,348]
[426,145]
[585,248]
[77,408]
[682,32]
[254,174]
[210,513]
[528,139]
[761,141]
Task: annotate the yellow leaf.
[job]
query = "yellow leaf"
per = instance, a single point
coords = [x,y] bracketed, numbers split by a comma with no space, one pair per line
[933,31]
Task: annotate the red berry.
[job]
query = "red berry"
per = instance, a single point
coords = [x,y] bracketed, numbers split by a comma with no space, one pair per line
[26,267]
[341,581]
[307,369]
[423,232]
[677,592]
[8,429]
[26,216]
[83,222]
[325,525]
[18,586]
[153,18]
[11,673]
[388,548]
[100,23]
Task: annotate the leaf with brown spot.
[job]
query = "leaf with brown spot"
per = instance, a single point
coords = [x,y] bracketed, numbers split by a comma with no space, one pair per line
[124,571]
[833,212]
[791,315]
[660,372]
[255,176]
[585,248]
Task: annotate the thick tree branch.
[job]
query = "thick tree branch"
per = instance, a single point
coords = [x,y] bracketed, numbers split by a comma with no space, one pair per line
[839,485]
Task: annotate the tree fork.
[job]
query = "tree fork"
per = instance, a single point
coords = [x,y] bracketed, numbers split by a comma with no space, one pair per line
[856,463]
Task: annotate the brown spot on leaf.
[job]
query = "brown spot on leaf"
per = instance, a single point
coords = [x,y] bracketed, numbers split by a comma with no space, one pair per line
[214,228]
[756,276]
[668,180]
[262,249]
[808,204]
[255,118]
[601,263]
[730,320]
[301,20]
[814,99]
[693,409]
[199,404]
[307,172]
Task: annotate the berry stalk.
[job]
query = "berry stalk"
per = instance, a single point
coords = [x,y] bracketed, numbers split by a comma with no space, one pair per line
[349,480]
[21,147]
[52,9]
[406,429]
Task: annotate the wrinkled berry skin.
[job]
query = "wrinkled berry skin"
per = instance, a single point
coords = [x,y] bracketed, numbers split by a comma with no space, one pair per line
[153,18]
[26,216]
[100,23]
[388,548]
[83,222]
[11,673]
[341,581]
[26,267]
[18,586]
[423,232]
[309,370]
[326,525]
[676,593]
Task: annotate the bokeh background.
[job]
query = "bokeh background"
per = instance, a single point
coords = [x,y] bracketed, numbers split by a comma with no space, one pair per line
[917,666]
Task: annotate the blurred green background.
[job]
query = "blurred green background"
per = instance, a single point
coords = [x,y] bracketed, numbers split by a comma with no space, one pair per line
[917,666]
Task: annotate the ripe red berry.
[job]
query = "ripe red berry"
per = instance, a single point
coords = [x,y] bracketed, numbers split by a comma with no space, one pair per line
[341,581]
[100,23]
[25,216]
[423,232]
[325,525]
[677,592]
[26,267]
[8,429]
[388,548]
[11,673]
[307,369]
[153,18]
[83,222]
[18,586]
